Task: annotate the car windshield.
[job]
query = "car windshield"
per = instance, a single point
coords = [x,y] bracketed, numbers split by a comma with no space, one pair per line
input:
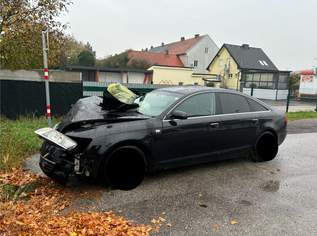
[156,102]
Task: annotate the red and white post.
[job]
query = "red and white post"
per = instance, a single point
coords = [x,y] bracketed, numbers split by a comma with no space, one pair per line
[46,77]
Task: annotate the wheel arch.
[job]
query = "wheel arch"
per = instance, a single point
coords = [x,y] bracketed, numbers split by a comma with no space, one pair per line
[268,130]
[127,144]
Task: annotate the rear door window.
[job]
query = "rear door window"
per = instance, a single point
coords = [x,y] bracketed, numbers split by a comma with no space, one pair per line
[232,103]
[199,105]
[255,106]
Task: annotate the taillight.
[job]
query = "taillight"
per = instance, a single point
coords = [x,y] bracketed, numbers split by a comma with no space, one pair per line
[285,119]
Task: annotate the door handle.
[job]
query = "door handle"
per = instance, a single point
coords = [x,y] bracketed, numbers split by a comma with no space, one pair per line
[214,125]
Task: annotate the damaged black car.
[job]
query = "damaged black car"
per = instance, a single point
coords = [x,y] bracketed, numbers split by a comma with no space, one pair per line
[119,138]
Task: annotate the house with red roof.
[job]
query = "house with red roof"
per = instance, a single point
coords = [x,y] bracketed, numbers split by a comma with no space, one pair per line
[152,58]
[196,53]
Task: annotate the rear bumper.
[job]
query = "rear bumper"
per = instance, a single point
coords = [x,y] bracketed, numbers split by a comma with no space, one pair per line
[282,135]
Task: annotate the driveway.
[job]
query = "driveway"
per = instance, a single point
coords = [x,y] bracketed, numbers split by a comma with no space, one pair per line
[273,198]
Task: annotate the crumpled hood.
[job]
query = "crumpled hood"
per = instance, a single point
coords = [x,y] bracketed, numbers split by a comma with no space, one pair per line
[90,110]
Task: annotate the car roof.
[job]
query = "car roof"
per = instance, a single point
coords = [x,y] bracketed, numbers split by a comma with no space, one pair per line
[186,90]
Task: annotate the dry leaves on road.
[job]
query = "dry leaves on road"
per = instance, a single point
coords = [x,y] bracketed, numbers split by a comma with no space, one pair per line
[42,213]
[233,222]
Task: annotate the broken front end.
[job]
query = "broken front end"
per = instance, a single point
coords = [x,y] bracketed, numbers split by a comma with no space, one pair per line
[61,155]
[69,148]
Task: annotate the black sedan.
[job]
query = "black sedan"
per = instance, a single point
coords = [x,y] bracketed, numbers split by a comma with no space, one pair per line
[167,128]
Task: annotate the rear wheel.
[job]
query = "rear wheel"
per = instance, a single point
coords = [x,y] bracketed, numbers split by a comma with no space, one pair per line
[266,147]
[125,168]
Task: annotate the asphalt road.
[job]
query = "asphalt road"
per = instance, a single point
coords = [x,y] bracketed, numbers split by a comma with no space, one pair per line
[273,198]
[302,126]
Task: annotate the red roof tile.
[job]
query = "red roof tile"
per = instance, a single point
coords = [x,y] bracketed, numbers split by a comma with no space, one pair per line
[152,58]
[179,47]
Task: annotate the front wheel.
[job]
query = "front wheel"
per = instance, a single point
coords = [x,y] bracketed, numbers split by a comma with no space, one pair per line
[266,147]
[125,169]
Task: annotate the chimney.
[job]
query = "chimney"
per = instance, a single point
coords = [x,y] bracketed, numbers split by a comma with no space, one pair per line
[196,36]
[182,38]
[162,44]
[151,47]
[166,52]
[246,46]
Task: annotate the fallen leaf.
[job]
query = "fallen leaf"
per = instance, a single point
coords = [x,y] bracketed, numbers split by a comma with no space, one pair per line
[233,222]
[215,226]
[202,205]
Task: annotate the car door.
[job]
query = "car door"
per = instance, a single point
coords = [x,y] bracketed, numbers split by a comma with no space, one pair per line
[237,123]
[188,139]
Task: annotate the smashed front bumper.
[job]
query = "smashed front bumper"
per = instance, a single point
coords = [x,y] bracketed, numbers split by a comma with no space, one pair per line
[56,163]
[63,155]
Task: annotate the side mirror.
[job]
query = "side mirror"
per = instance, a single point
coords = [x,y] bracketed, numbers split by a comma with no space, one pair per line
[181,115]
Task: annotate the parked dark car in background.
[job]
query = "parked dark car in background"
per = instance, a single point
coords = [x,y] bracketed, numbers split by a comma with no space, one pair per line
[171,127]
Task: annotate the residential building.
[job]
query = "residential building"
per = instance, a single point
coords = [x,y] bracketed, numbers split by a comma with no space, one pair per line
[151,58]
[196,52]
[242,67]
[181,62]
[170,75]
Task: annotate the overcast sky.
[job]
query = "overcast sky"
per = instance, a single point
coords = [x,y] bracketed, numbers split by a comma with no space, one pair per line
[285,29]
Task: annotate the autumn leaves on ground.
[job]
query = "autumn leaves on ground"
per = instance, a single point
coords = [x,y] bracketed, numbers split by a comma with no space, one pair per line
[34,205]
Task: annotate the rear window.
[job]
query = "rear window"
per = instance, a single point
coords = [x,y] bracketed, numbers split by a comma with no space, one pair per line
[232,103]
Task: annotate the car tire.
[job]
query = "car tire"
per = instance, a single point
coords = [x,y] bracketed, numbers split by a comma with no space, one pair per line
[125,168]
[266,147]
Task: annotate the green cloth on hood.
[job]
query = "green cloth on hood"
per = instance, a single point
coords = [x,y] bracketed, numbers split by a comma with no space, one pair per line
[122,93]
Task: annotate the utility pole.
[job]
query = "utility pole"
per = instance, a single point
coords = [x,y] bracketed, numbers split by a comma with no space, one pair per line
[45,77]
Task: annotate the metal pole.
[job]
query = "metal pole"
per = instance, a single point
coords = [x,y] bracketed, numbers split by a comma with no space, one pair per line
[46,78]
[288,98]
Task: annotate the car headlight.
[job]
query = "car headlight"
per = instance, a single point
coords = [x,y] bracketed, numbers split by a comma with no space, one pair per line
[56,137]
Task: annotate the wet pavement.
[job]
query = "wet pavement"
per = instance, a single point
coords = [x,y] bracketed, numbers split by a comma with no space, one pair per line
[235,197]
[302,126]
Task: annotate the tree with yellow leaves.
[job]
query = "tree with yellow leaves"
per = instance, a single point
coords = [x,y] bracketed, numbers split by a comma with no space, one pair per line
[21,23]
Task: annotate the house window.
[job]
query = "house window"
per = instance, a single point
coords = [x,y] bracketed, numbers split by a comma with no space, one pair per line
[206,50]
[259,80]
[180,83]
[195,63]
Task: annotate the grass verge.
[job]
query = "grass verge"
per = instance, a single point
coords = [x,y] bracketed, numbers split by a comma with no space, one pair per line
[18,140]
[301,115]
